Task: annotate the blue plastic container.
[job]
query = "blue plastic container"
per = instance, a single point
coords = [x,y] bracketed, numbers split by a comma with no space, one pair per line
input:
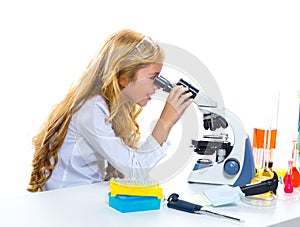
[126,203]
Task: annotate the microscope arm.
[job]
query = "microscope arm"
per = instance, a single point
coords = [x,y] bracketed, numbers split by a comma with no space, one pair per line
[210,121]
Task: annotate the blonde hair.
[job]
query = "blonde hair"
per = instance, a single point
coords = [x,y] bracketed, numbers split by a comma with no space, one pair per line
[116,57]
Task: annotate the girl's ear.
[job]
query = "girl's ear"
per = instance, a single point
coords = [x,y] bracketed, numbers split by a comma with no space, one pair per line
[123,81]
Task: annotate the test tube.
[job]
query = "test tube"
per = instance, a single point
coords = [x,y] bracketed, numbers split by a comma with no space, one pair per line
[298,145]
[264,142]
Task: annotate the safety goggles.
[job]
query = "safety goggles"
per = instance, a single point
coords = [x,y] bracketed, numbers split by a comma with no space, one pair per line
[145,48]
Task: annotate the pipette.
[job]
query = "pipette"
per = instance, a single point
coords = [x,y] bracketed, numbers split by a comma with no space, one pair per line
[175,203]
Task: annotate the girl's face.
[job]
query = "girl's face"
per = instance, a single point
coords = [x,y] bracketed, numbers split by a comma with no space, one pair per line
[142,87]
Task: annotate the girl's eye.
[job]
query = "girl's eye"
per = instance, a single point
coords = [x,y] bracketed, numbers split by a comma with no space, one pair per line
[153,77]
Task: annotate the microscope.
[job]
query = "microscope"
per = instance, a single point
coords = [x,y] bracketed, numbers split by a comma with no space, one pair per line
[219,161]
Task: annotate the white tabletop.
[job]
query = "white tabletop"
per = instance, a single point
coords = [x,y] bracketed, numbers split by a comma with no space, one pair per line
[87,206]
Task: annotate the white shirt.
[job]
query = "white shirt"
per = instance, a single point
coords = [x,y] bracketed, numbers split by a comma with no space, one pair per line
[91,142]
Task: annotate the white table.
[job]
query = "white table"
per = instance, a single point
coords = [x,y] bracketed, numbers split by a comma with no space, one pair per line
[87,206]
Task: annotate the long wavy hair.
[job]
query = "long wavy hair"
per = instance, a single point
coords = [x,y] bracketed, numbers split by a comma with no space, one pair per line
[118,56]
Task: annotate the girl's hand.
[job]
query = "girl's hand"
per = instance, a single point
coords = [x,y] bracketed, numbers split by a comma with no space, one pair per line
[177,102]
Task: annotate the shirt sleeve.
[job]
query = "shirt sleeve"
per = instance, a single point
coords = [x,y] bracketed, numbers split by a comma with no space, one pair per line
[91,125]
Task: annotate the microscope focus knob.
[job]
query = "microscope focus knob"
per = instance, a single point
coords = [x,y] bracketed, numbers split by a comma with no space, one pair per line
[232,166]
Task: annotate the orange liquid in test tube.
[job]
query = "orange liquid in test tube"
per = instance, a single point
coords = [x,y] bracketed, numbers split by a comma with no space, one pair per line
[261,138]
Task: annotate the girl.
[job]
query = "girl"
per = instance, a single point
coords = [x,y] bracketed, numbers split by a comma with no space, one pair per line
[92,134]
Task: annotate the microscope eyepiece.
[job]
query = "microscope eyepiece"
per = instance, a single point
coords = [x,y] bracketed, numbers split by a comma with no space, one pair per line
[191,88]
[163,83]
[200,99]
[166,85]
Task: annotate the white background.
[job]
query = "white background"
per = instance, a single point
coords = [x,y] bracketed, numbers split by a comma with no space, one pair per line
[252,48]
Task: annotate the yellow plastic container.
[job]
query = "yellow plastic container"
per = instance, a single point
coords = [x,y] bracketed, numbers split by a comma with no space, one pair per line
[135,188]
